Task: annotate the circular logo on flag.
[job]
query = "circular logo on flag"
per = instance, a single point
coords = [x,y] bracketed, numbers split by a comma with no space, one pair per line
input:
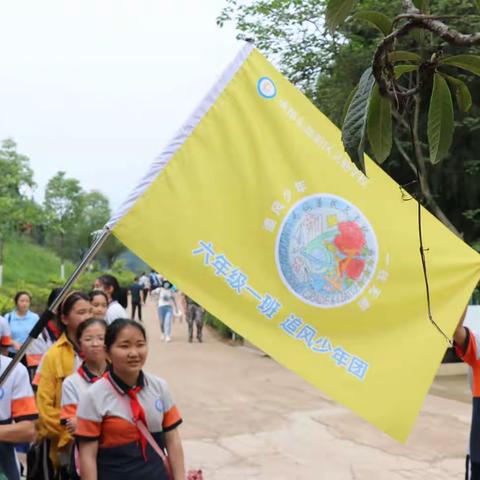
[326,251]
[159,405]
[266,88]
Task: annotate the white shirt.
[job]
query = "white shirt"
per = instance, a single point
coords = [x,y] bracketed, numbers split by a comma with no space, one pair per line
[114,311]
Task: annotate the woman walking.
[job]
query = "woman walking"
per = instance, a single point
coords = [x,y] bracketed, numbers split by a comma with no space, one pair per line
[166,308]
[125,417]
[21,321]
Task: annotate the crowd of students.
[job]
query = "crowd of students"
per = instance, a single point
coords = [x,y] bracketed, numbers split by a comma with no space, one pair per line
[80,402]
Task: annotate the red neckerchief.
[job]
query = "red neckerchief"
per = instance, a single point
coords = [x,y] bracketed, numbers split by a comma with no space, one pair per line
[55,331]
[137,410]
[86,374]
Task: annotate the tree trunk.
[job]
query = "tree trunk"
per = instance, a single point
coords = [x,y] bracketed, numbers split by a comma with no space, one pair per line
[62,261]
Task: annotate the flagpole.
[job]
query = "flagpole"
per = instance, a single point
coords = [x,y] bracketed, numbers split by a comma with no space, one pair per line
[47,315]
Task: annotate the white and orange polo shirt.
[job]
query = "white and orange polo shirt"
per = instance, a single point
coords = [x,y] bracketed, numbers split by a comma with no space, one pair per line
[105,413]
[73,387]
[17,404]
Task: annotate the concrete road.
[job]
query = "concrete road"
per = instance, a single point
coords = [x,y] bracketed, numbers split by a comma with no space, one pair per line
[246,417]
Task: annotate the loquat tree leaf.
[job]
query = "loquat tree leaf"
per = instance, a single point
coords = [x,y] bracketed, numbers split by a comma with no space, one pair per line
[402,55]
[471,63]
[337,12]
[347,104]
[354,125]
[440,119]
[462,92]
[377,19]
[379,125]
[401,69]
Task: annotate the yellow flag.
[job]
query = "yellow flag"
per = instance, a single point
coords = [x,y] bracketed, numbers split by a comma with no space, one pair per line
[255,211]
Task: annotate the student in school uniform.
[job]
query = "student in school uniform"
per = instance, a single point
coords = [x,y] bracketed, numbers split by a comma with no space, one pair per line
[59,362]
[109,284]
[99,301]
[125,417]
[90,339]
[17,416]
[5,336]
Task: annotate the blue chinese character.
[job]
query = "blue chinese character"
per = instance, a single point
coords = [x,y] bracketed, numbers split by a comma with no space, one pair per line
[358,367]
[269,306]
[237,280]
[291,324]
[307,334]
[322,345]
[221,265]
[340,356]
[253,292]
[206,249]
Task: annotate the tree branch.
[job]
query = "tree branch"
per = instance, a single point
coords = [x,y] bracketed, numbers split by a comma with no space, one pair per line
[382,68]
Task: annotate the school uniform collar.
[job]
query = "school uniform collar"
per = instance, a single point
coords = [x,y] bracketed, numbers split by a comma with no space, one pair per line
[87,374]
[120,385]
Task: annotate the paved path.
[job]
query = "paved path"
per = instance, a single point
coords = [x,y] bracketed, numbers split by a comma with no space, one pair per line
[246,417]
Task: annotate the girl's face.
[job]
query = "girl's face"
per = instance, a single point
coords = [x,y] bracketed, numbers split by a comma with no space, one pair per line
[23,303]
[129,352]
[99,306]
[78,314]
[92,342]
[104,288]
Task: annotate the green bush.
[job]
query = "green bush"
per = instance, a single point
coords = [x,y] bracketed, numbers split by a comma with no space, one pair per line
[223,330]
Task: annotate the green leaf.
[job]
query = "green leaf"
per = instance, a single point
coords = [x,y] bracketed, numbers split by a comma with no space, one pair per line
[401,69]
[471,63]
[477,4]
[462,93]
[440,119]
[337,12]
[354,126]
[422,5]
[377,19]
[379,126]
[402,55]
[347,104]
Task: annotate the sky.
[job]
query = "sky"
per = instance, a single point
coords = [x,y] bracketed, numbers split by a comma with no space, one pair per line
[97,88]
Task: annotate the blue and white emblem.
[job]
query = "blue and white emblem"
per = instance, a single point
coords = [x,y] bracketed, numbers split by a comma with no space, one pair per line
[326,251]
[266,88]
[159,405]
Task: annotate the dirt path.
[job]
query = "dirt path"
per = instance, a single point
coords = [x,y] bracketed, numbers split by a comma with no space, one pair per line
[245,416]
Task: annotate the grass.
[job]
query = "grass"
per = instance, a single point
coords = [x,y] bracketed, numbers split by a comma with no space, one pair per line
[25,262]
[32,268]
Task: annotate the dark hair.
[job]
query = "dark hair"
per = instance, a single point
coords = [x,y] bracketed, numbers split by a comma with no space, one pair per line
[69,302]
[96,293]
[117,326]
[88,323]
[17,296]
[110,281]
[53,295]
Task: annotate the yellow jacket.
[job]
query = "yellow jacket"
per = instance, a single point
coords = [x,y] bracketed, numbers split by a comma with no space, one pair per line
[57,364]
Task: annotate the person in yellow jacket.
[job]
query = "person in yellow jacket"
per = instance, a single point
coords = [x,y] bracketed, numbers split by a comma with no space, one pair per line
[60,361]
